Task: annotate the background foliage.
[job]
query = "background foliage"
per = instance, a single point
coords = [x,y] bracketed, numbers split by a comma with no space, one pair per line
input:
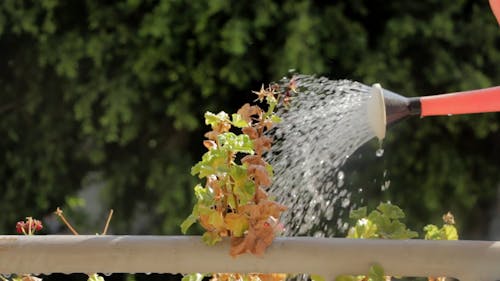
[114,91]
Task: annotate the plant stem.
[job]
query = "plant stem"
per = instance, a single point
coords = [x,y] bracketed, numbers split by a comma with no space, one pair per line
[59,213]
[107,222]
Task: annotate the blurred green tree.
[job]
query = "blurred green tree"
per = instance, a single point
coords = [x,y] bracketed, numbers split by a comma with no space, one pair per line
[118,88]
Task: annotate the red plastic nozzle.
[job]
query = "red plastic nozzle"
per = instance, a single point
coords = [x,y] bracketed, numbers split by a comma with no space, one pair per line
[475,101]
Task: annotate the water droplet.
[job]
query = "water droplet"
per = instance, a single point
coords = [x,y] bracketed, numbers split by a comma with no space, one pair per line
[345,203]
[379,152]
[107,274]
[318,234]
[340,175]
[345,225]
[386,185]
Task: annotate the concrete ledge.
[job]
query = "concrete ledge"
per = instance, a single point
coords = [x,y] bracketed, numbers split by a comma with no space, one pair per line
[465,260]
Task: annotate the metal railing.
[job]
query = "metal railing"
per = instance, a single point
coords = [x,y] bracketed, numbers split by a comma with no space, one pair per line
[329,257]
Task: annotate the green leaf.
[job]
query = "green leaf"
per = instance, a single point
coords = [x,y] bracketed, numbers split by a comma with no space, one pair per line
[450,232]
[236,143]
[239,174]
[216,219]
[204,195]
[246,192]
[213,161]
[236,223]
[238,121]
[376,273]
[316,277]
[358,214]
[432,232]
[193,277]
[215,119]
[275,119]
[95,277]
[211,238]
[364,229]
[243,188]
[447,232]
[186,224]
[270,171]
[391,211]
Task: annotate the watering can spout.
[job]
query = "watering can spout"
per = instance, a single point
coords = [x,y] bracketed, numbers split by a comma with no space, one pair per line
[386,107]
[398,107]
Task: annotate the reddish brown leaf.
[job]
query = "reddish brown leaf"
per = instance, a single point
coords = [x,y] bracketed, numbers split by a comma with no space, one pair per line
[209,144]
[268,124]
[259,175]
[251,132]
[262,144]
[247,111]
[260,195]
[212,135]
[253,160]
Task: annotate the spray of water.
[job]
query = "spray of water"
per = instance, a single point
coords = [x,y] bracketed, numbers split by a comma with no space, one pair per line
[324,124]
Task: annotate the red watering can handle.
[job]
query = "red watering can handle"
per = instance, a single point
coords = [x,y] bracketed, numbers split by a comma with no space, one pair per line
[475,101]
[495,7]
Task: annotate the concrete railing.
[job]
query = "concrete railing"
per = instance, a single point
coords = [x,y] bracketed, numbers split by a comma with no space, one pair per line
[329,257]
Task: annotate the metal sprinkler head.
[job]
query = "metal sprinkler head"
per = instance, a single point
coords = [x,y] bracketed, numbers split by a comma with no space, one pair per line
[376,112]
[385,107]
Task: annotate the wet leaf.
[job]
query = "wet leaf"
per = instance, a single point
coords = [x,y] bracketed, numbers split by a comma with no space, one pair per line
[216,219]
[209,144]
[236,143]
[213,161]
[364,229]
[259,175]
[186,224]
[450,232]
[204,195]
[247,111]
[238,121]
[254,160]
[236,223]
[211,238]
[215,119]
[432,232]
[275,119]
[391,211]
[245,192]
[262,144]
[251,132]
[358,213]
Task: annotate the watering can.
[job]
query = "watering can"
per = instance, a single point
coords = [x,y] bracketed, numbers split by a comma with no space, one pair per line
[386,107]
